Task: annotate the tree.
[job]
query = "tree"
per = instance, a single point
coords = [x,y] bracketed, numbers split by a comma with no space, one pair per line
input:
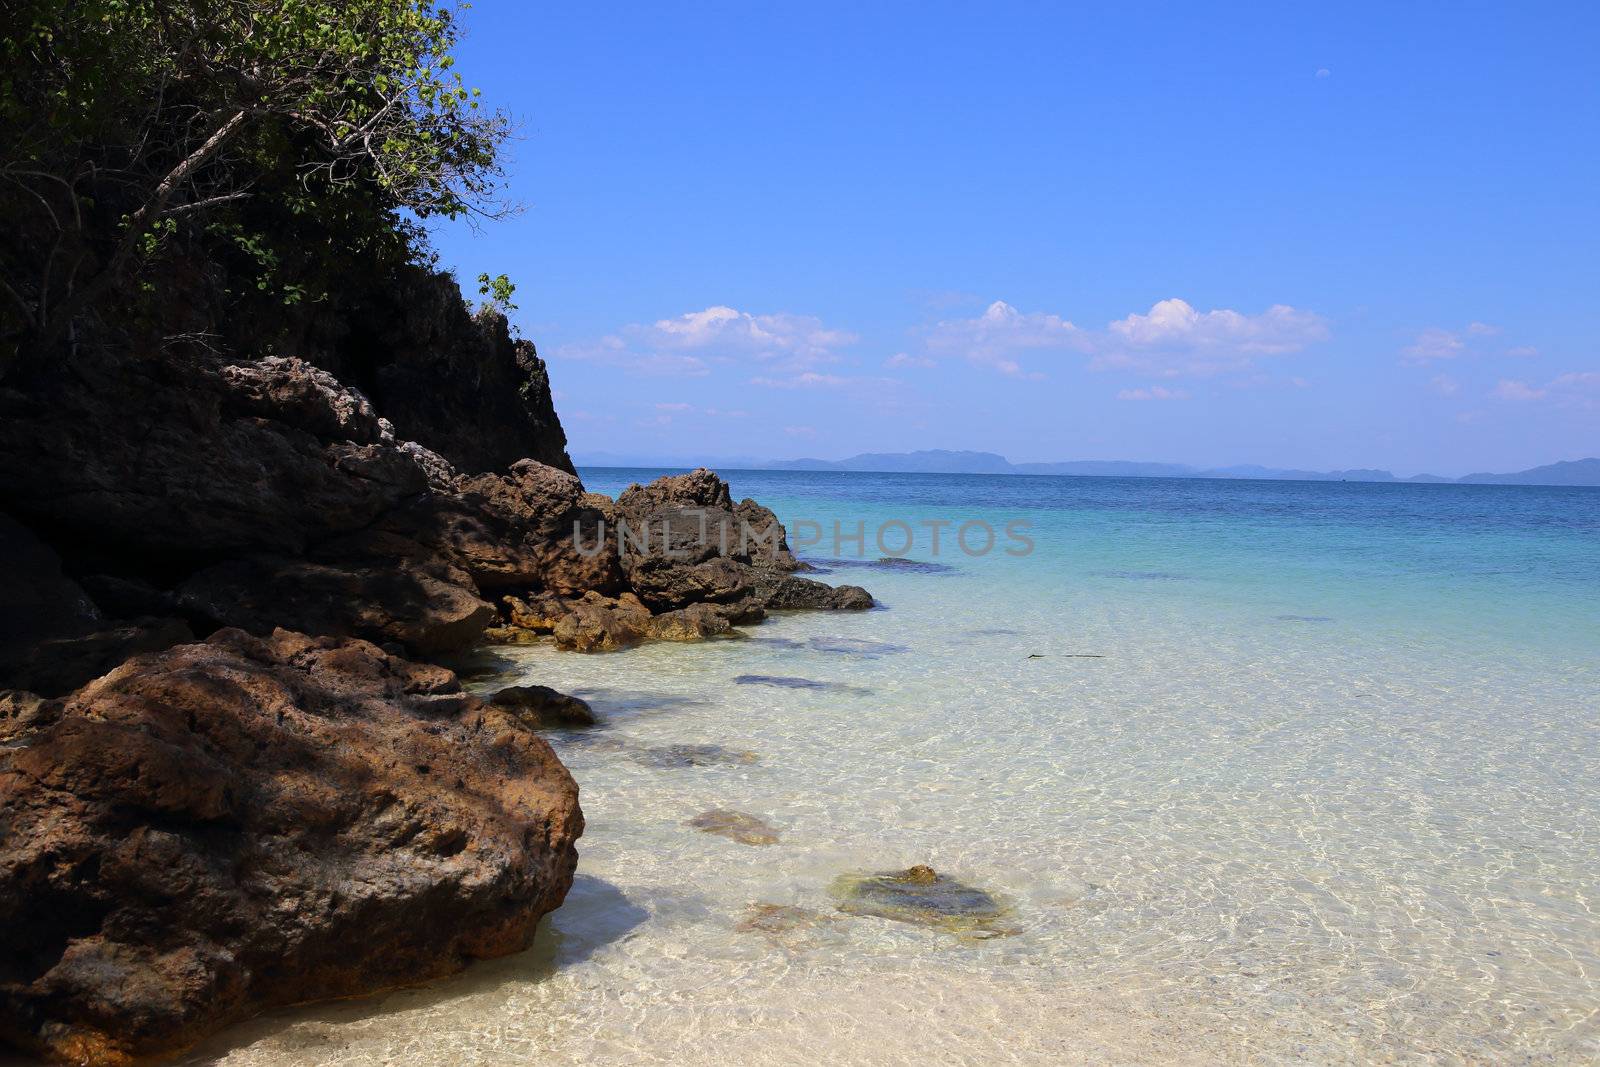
[124,123]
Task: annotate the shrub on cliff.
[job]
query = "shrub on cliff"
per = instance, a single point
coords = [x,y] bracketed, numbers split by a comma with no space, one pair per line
[273,143]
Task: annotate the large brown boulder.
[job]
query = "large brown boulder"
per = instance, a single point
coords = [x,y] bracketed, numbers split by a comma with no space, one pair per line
[241,823]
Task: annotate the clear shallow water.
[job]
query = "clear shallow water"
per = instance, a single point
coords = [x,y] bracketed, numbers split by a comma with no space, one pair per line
[1327,796]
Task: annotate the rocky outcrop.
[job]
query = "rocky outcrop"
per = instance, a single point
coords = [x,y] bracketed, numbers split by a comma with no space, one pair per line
[456,381]
[204,829]
[245,822]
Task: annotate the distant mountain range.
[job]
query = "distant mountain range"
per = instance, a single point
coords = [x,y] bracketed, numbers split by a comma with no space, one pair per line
[939,461]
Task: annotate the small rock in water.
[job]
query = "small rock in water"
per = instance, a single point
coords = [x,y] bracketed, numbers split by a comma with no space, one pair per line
[541,706]
[922,896]
[675,756]
[735,826]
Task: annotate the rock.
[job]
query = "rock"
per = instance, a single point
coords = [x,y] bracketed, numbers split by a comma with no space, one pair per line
[37,601]
[455,381]
[601,624]
[128,598]
[533,525]
[306,397]
[62,664]
[227,826]
[791,593]
[894,563]
[792,928]
[853,646]
[781,919]
[150,463]
[541,706]
[418,601]
[53,638]
[664,583]
[697,622]
[735,826]
[700,488]
[922,896]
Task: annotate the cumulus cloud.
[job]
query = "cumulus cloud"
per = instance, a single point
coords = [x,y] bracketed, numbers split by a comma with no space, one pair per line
[1445,385]
[690,344]
[1002,332]
[1173,338]
[1175,325]
[1154,392]
[905,359]
[1507,389]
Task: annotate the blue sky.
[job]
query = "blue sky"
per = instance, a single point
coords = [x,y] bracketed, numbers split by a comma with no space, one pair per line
[1316,236]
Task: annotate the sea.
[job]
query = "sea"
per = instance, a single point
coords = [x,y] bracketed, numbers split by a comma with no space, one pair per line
[1261,773]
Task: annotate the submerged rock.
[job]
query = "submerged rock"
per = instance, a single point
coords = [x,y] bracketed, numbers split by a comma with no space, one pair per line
[735,826]
[892,563]
[922,896]
[789,926]
[855,646]
[676,756]
[783,681]
[241,823]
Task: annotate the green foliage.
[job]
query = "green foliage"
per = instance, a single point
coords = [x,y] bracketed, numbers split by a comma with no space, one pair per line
[249,127]
[499,290]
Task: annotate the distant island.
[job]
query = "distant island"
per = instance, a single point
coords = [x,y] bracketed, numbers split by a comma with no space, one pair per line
[1578,472]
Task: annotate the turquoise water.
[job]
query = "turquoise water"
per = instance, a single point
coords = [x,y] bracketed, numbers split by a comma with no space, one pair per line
[1270,773]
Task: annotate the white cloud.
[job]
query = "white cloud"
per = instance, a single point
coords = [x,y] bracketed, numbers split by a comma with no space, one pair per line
[674,407]
[905,359]
[1002,331]
[800,431]
[1154,392]
[1507,389]
[1434,343]
[806,380]
[1578,389]
[1445,385]
[690,344]
[798,339]
[1323,72]
[1171,339]
[1175,325]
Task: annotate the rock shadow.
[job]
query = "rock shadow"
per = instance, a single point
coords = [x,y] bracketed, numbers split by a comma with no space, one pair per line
[595,914]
